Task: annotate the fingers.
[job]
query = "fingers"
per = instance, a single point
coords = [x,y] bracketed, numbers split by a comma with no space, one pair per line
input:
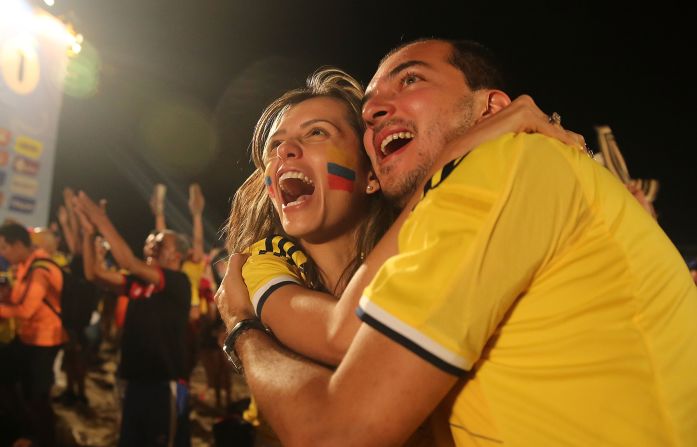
[534,120]
[62,214]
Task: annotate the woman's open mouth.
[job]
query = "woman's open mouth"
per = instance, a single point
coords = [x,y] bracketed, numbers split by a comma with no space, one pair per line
[295,188]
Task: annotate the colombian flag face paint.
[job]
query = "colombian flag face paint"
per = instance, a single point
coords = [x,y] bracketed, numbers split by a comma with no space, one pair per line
[269,183]
[340,169]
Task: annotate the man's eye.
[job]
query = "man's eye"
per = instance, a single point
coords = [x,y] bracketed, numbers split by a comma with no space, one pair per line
[410,78]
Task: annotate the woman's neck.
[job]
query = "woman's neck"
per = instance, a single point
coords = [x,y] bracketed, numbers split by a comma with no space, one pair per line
[332,257]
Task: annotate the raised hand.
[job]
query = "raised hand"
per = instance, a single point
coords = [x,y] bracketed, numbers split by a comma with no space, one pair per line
[196,199]
[157,199]
[90,210]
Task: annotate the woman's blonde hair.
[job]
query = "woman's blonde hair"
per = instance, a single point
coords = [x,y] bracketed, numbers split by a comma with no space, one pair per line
[253,217]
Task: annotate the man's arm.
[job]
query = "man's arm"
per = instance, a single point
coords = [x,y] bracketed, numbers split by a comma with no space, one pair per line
[157,206]
[68,222]
[119,248]
[93,259]
[196,204]
[31,300]
[307,405]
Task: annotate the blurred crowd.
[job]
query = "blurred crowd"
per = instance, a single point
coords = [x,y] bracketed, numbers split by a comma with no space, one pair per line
[57,313]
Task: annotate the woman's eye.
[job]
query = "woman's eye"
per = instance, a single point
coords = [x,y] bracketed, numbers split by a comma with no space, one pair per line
[271,148]
[317,132]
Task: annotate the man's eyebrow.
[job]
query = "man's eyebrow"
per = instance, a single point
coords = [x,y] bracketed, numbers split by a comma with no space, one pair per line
[394,72]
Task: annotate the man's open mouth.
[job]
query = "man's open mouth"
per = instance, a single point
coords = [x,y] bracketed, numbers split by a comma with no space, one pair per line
[394,142]
[295,188]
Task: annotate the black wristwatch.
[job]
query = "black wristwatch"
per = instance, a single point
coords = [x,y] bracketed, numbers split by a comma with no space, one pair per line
[229,344]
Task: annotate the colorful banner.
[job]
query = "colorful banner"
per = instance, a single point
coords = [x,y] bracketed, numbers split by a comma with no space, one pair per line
[33,56]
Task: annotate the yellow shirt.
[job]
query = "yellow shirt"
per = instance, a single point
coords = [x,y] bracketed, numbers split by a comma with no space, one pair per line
[194,271]
[528,270]
[274,262]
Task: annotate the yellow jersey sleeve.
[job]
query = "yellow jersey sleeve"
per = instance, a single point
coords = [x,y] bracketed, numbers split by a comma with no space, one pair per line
[274,262]
[461,265]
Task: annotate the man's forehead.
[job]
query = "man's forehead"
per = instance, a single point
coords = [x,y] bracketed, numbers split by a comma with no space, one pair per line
[426,53]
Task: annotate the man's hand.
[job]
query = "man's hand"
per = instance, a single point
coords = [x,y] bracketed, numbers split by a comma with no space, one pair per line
[634,187]
[232,297]
[90,210]
[63,216]
[157,199]
[85,225]
[196,199]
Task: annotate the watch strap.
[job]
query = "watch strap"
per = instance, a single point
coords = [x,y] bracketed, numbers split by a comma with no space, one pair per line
[241,327]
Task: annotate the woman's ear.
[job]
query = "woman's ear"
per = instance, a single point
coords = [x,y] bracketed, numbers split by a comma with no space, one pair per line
[373,183]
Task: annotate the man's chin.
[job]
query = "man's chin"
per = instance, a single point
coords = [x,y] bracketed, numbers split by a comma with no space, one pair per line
[399,187]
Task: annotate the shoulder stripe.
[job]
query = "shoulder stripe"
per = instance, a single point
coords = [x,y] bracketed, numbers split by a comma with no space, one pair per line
[282,242]
[269,246]
[281,247]
[442,174]
[415,341]
[263,293]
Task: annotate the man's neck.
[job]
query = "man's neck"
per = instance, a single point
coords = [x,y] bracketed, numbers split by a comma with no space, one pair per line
[26,253]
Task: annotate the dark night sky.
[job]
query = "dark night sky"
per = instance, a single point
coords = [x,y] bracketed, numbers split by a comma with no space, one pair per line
[214,64]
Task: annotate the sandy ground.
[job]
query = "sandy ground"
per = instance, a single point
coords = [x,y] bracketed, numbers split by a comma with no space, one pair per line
[96,425]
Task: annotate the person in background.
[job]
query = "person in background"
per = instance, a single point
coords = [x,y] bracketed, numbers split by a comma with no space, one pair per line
[35,305]
[77,347]
[193,266]
[152,359]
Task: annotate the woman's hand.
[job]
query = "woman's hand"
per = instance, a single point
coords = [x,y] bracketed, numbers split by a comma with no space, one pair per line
[521,115]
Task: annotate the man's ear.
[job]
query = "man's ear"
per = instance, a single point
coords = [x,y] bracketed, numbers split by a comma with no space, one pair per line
[495,101]
[373,183]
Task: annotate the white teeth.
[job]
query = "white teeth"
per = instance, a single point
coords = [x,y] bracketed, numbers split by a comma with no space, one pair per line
[294,174]
[388,139]
[297,201]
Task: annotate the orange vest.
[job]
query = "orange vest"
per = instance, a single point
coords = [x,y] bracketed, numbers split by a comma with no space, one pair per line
[38,325]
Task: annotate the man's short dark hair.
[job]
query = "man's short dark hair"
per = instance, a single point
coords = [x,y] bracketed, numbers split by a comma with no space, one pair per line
[477,63]
[13,232]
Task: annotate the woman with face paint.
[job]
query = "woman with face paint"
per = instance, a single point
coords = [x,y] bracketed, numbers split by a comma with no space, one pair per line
[312,209]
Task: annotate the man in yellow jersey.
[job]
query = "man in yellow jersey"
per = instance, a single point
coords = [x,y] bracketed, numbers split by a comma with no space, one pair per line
[528,294]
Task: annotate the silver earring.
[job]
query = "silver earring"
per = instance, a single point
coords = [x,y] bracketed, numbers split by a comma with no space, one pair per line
[370,188]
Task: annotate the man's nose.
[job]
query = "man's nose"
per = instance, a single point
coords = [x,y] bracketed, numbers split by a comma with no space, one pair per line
[377,109]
